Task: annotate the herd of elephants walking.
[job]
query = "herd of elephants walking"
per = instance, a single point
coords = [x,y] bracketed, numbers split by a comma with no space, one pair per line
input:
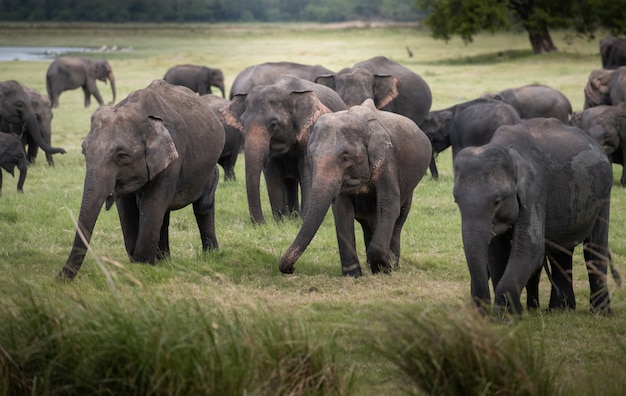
[532,178]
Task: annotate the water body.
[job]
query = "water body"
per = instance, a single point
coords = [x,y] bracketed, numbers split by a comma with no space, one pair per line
[35,53]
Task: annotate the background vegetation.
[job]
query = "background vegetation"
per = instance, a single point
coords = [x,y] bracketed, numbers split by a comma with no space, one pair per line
[229,322]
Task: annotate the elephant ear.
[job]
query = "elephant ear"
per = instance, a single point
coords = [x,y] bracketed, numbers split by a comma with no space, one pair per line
[327,80]
[385,89]
[231,113]
[307,109]
[160,148]
[525,175]
[378,146]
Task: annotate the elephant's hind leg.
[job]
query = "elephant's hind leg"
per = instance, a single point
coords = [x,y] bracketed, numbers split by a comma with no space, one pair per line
[204,211]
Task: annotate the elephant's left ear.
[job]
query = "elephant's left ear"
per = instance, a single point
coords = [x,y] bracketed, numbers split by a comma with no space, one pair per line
[231,113]
[160,148]
[378,146]
[385,89]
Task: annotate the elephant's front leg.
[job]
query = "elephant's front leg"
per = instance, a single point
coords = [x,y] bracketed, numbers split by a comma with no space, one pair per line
[128,212]
[562,291]
[152,213]
[163,249]
[343,212]
[387,212]
[276,188]
[397,231]
[87,95]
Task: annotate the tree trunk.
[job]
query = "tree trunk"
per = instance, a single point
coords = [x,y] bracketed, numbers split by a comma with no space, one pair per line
[541,41]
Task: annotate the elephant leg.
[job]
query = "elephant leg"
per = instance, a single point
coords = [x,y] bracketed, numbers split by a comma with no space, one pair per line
[532,289]
[597,258]
[499,251]
[433,168]
[562,291]
[128,213]
[163,249]
[397,231]
[92,89]
[292,188]
[228,163]
[388,211]
[204,210]
[87,95]
[276,189]
[343,212]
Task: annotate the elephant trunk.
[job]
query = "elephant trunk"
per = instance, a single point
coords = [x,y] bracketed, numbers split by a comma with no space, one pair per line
[35,132]
[256,151]
[322,195]
[476,237]
[222,90]
[94,196]
[112,81]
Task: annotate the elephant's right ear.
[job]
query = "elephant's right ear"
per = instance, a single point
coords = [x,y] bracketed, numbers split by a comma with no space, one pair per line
[160,148]
[385,89]
[525,175]
[231,113]
[326,80]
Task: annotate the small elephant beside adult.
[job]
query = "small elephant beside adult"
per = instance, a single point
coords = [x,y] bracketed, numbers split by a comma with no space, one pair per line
[607,125]
[366,163]
[538,188]
[266,73]
[605,87]
[71,72]
[466,124]
[234,139]
[276,120]
[20,112]
[12,155]
[390,85]
[154,152]
[536,101]
[198,78]
[613,52]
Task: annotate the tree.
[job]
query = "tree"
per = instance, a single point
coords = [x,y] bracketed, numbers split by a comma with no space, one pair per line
[466,18]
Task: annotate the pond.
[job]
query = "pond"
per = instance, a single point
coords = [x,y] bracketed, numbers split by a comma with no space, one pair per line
[46,53]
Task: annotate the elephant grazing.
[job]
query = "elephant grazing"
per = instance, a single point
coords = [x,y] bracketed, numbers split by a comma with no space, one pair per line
[606,87]
[12,155]
[276,120]
[536,101]
[366,163]
[71,72]
[390,85]
[154,152]
[197,78]
[537,189]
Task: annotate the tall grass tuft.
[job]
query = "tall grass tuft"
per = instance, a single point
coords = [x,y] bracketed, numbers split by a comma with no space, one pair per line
[157,347]
[443,352]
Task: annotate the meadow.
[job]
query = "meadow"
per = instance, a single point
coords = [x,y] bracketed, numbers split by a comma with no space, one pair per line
[239,291]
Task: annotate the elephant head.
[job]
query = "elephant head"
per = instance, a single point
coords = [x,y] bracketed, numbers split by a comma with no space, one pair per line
[598,88]
[12,155]
[356,85]
[276,121]
[17,110]
[490,184]
[124,151]
[606,125]
[104,72]
[214,77]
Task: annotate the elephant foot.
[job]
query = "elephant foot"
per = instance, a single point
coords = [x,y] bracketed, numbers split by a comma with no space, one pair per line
[66,274]
[353,271]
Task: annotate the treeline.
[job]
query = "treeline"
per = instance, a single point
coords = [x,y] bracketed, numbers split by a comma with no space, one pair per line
[119,11]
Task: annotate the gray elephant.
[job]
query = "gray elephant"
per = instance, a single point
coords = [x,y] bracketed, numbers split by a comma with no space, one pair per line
[276,120]
[71,72]
[234,139]
[607,125]
[390,85]
[366,164]
[538,189]
[605,87]
[197,78]
[12,155]
[613,52]
[266,73]
[154,152]
[535,100]
[466,124]
[17,114]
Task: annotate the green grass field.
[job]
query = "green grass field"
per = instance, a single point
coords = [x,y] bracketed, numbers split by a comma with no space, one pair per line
[242,279]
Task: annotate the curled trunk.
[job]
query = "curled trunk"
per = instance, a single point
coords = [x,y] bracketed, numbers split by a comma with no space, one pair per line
[35,132]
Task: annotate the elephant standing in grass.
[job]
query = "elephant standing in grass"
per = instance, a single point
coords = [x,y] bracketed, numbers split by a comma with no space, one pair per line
[390,85]
[366,164]
[12,155]
[466,124]
[234,139]
[606,87]
[154,152]
[197,78]
[613,52]
[266,73]
[536,101]
[71,72]
[276,120]
[18,115]
[538,188]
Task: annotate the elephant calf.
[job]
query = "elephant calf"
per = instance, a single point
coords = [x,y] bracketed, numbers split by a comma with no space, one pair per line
[537,189]
[12,155]
[366,163]
[199,79]
[154,152]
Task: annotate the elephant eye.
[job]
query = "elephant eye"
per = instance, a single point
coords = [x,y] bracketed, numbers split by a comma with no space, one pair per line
[121,157]
[345,157]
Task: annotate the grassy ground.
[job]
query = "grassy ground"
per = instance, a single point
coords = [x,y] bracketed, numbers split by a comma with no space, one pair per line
[37,229]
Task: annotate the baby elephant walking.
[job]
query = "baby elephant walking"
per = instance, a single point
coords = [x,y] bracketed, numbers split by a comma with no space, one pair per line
[539,188]
[366,163]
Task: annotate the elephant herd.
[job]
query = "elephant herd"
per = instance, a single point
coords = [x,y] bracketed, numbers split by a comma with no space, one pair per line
[532,178]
